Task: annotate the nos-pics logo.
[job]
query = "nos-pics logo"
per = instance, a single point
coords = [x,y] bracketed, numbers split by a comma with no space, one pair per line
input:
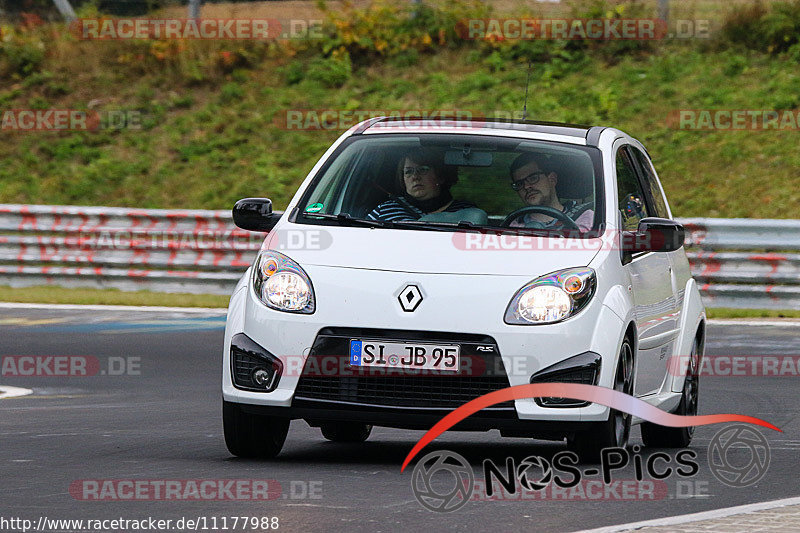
[443,481]
[432,481]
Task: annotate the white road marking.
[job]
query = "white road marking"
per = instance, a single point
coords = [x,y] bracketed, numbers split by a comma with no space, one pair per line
[13,392]
[75,307]
[785,322]
[696,517]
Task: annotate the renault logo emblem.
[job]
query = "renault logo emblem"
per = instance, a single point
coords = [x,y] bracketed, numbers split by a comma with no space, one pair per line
[410,298]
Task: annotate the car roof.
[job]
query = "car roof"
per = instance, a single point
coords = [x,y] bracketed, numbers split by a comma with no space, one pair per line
[575,133]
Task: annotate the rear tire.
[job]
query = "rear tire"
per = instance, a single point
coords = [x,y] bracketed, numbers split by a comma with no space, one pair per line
[614,432]
[346,431]
[253,436]
[657,436]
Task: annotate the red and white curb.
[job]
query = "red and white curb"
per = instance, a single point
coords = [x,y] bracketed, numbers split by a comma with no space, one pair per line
[696,517]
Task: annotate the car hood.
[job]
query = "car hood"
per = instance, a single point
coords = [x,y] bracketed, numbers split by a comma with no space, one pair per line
[442,252]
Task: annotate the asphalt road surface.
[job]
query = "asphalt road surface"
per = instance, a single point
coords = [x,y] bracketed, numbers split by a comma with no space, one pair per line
[161,420]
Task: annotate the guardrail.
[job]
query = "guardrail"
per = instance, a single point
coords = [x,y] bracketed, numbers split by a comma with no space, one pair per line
[745,263]
[737,262]
[195,251]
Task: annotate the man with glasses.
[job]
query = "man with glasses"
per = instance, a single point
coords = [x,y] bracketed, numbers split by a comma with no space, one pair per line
[535,182]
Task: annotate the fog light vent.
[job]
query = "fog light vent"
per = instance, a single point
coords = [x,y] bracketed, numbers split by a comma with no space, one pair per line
[583,369]
[252,367]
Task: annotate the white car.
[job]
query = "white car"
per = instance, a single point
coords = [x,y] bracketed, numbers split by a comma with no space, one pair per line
[422,264]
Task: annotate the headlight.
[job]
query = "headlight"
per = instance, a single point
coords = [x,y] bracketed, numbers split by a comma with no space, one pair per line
[552,298]
[282,284]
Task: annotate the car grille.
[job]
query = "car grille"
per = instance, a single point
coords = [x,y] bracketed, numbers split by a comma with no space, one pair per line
[243,366]
[481,372]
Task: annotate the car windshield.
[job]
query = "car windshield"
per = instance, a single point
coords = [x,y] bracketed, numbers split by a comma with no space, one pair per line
[457,182]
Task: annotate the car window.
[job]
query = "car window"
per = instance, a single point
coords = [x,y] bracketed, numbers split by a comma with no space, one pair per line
[632,204]
[449,179]
[651,182]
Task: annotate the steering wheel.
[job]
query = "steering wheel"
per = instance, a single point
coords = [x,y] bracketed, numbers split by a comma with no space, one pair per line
[549,211]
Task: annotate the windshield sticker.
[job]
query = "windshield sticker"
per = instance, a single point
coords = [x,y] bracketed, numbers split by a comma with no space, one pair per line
[314,208]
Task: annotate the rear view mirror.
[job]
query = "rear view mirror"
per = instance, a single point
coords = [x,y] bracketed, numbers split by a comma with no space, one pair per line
[255,214]
[654,235]
[466,158]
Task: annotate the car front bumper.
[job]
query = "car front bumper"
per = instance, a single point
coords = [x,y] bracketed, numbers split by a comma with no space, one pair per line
[459,309]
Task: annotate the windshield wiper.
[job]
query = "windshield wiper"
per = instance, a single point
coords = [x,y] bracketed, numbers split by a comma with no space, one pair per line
[345,219]
[437,226]
[450,226]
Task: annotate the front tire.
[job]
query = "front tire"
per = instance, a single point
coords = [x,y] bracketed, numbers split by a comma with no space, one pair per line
[614,432]
[253,436]
[657,436]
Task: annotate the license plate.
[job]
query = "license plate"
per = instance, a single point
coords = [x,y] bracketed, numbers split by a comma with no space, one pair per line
[404,355]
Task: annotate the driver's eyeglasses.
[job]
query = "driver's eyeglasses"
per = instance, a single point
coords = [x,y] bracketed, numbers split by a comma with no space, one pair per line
[419,171]
[530,179]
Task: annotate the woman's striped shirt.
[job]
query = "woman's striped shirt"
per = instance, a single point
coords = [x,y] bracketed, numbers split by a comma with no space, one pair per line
[393,210]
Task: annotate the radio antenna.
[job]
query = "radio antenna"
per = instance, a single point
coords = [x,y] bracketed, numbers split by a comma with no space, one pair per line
[527,82]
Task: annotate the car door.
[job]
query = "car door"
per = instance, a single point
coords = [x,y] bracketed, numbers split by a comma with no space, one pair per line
[650,279]
[680,272]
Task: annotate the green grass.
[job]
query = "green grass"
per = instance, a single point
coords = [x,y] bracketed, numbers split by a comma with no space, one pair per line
[59,295]
[723,312]
[211,139]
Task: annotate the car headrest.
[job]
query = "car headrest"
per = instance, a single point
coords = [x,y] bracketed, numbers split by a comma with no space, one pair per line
[575,176]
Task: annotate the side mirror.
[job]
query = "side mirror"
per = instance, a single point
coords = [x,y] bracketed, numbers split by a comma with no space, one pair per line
[654,235]
[255,214]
